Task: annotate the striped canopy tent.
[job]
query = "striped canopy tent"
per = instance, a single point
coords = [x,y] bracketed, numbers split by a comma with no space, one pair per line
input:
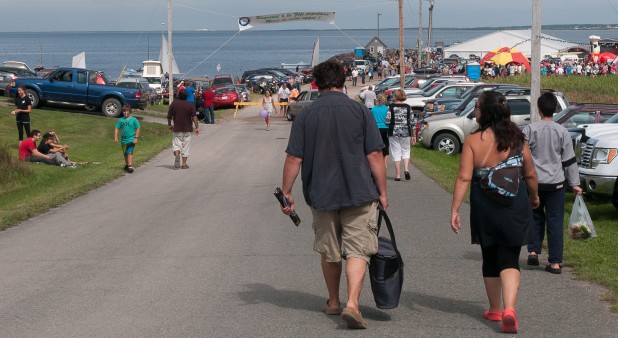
[505,56]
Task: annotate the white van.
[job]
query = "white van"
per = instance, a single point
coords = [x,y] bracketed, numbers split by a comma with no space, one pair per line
[362,64]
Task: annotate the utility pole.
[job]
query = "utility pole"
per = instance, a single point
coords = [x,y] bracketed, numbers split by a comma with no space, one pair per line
[170,68]
[429,27]
[402,54]
[535,86]
[379,25]
[420,33]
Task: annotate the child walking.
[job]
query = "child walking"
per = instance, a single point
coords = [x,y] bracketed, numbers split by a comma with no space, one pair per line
[129,133]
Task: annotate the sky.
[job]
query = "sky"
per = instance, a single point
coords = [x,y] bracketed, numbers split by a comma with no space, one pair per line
[148,15]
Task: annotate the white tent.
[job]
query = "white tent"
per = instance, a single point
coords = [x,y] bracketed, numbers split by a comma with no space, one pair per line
[518,39]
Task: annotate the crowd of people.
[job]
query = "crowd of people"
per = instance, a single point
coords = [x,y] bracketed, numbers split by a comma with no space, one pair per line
[502,219]
[343,173]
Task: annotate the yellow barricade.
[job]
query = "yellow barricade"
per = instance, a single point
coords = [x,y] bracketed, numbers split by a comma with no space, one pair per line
[237,104]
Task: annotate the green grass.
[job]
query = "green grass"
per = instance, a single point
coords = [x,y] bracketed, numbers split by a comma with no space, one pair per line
[599,89]
[29,189]
[592,260]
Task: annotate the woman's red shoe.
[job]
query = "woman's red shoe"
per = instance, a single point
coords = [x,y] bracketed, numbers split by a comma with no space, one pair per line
[509,321]
[494,316]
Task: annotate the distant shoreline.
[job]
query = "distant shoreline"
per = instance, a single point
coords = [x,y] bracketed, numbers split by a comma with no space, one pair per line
[202,30]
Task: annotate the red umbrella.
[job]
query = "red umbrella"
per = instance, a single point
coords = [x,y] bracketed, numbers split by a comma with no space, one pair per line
[506,55]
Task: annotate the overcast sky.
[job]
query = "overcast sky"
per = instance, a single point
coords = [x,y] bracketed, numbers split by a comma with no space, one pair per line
[148,15]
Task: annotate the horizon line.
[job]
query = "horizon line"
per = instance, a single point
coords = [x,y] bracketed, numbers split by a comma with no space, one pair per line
[597,26]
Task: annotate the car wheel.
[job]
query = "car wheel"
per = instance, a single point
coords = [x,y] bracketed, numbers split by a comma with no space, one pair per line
[111,108]
[447,143]
[34,97]
[615,197]
[289,116]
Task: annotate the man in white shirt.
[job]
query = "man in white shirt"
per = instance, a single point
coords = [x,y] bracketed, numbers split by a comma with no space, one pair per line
[354,76]
[369,97]
[284,96]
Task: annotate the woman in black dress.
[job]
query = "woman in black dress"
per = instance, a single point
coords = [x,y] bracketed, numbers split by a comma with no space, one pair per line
[500,229]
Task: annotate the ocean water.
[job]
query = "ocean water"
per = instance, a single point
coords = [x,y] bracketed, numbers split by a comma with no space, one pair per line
[198,53]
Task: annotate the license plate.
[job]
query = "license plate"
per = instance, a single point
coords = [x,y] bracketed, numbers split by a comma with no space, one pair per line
[223,97]
[1,78]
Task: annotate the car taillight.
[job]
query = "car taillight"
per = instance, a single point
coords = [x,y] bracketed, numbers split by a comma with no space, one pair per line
[388,92]
[138,95]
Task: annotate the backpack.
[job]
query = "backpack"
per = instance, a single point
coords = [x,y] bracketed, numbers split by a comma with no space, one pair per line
[501,183]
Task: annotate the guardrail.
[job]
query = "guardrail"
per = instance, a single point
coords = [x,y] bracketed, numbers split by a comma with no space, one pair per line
[238,104]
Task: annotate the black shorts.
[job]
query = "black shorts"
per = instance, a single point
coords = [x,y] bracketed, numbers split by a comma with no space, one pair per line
[384,134]
[283,100]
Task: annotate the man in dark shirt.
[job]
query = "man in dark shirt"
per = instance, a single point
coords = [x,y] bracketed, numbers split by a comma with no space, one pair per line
[337,144]
[180,116]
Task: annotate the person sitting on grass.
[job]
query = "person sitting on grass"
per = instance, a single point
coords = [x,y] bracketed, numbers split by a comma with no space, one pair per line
[28,152]
[50,143]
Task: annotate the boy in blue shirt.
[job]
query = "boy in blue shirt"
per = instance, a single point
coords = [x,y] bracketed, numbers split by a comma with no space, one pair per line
[129,133]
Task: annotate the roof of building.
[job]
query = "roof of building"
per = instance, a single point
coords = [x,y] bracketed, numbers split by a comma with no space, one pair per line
[518,39]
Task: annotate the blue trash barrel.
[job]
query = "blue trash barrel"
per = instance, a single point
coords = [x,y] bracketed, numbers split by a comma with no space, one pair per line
[359,52]
[473,70]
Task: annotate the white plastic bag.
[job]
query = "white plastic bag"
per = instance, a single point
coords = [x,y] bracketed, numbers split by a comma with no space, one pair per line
[580,223]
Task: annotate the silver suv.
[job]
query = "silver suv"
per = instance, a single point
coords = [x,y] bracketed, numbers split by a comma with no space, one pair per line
[447,132]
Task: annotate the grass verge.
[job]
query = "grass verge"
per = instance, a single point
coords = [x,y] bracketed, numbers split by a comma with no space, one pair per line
[591,260]
[29,189]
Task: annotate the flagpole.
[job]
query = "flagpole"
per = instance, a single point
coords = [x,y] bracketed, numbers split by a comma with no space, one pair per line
[402,54]
[170,69]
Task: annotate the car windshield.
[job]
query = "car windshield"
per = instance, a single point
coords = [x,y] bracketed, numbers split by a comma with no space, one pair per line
[278,73]
[222,81]
[225,90]
[613,119]
[557,117]
[469,107]
[153,80]
[389,81]
[434,90]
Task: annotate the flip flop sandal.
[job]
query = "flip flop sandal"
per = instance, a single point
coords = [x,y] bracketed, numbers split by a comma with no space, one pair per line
[353,319]
[331,311]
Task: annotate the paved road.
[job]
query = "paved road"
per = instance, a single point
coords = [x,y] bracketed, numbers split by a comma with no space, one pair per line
[204,252]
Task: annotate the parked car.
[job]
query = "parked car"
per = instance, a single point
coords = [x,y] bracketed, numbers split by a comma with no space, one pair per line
[243,91]
[417,102]
[89,89]
[598,168]
[221,81]
[226,96]
[260,83]
[280,73]
[452,104]
[585,113]
[140,84]
[305,98]
[9,74]
[446,132]
[362,64]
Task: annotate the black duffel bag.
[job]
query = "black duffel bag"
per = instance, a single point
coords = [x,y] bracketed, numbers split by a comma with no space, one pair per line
[386,268]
